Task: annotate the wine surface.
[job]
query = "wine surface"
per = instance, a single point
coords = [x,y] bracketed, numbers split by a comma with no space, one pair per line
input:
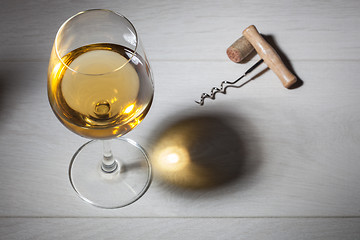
[100,90]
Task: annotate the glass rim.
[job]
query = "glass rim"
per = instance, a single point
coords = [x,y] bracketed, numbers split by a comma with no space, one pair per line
[89,10]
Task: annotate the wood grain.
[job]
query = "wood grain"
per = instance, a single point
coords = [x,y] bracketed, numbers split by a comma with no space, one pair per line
[302,154]
[179,228]
[298,175]
[193,31]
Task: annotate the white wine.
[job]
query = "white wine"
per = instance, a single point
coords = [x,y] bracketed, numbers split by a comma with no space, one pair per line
[100,90]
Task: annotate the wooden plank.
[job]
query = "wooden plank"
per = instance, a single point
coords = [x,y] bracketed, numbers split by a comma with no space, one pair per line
[301,145]
[179,228]
[194,31]
[276,163]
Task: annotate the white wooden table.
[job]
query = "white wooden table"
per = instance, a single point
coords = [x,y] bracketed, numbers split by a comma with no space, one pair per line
[301,173]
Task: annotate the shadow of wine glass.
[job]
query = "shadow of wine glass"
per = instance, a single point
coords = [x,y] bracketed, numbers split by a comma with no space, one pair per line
[204,151]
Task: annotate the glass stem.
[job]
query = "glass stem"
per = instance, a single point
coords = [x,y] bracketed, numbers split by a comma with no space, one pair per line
[108,164]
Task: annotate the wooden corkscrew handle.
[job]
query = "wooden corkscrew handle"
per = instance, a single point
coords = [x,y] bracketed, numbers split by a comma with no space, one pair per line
[270,56]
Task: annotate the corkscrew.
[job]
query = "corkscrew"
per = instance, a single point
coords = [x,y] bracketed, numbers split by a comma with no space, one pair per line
[241,48]
[225,84]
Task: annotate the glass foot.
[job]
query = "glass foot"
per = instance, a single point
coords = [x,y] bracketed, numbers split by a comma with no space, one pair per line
[110,186]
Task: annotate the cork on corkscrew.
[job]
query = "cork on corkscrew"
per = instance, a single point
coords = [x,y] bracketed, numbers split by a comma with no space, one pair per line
[241,48]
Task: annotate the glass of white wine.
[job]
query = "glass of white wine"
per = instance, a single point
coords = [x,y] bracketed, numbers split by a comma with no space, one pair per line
[100,87]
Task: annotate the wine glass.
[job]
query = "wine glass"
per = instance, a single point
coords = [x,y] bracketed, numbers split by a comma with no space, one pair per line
[100,87]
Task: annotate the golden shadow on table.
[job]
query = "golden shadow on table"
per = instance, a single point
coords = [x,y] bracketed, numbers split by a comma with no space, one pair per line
[203,151]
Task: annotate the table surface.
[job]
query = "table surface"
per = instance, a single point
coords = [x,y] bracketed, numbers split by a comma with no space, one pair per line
[298,172]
